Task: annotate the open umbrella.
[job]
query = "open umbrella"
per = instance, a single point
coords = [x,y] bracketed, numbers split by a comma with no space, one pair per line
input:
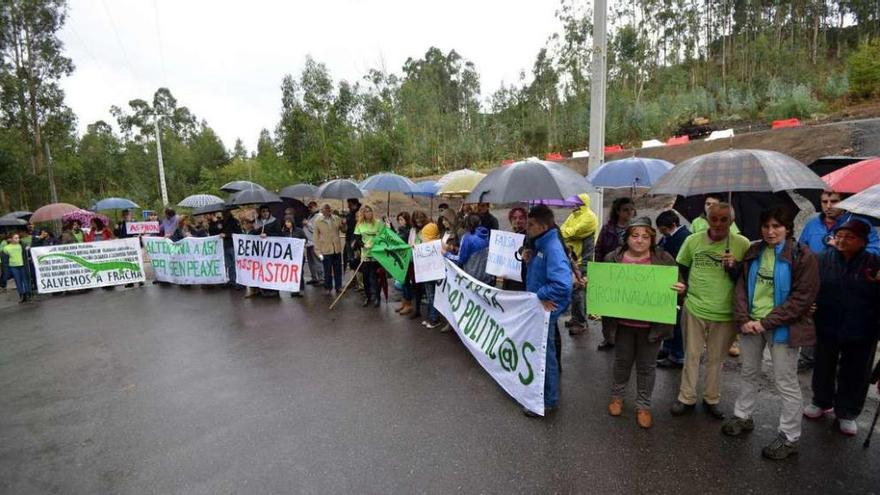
[339,189]
[854,178]
[629,172]
[53,211]
[253,197]
[240,185]
[199,200]
[427,188]
[559,203]
[866,202]
[299,191]
[459,182]
[7,221]
[113,204]
[388,183]
[210,208]
[737,171]
[529,180]
[24,215]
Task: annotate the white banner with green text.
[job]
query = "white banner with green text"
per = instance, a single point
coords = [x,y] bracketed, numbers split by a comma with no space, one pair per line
[191,260]
[87,265]
[506,332]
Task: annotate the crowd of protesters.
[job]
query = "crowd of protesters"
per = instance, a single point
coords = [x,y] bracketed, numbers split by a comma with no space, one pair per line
[808,302]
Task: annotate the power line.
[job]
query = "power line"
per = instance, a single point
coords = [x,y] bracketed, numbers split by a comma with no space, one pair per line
[119,40]
[159,43]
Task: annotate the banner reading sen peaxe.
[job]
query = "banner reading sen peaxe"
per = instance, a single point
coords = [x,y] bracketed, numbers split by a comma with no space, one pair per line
[191,260]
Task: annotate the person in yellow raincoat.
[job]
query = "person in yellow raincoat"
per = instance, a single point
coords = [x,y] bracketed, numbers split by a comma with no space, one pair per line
[579,233]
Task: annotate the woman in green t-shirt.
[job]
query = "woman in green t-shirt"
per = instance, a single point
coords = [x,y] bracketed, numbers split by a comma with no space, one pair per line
[778,283]
[366,230]
[15,251]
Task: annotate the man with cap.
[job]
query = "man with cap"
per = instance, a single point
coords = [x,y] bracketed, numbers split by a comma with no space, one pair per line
[847,325]
[819,231]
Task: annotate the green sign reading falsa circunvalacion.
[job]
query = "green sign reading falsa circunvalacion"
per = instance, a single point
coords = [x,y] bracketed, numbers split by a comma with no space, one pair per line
[634,292]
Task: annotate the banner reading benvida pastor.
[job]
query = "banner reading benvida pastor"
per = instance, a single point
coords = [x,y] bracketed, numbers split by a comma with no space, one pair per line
[506,331]
[88,265]
[191,260]
[268,262]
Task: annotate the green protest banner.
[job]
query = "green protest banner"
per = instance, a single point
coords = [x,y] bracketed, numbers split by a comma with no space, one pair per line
[392,253]
[634,292]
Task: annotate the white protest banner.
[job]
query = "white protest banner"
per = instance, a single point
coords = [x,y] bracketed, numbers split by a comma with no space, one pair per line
[506,331]
[428,262]
[191,260]
[504,258]
[88,265]
[268,263]
[137,228]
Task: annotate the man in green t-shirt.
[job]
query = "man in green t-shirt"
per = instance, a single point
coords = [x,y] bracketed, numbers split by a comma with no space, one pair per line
[709,258]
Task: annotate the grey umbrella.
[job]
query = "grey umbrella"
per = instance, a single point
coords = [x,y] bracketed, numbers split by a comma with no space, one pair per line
[738,171]
[299,191]
[199,200]
[19,214]
[339,189]
[529,180]
[866,202]
[253,197]
[211,208]
[240,185]
[9,221]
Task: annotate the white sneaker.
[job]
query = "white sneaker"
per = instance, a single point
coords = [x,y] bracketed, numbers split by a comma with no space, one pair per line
[815,412]
[849,427]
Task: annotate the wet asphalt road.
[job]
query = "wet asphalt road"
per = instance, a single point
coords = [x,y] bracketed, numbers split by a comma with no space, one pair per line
[171,390]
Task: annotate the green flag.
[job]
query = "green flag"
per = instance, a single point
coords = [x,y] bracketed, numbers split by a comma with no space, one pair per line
[392,253]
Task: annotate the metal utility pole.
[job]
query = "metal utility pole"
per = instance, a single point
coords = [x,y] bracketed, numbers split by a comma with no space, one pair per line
[597,87]
[162,186]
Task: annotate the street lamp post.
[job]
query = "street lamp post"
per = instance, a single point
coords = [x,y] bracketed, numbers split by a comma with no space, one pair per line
[597,87]
[162,186]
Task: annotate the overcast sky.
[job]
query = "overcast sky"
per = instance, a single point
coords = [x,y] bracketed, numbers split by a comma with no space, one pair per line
[225,59]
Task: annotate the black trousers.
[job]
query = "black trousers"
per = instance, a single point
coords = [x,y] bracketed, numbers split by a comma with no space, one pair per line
[841,375]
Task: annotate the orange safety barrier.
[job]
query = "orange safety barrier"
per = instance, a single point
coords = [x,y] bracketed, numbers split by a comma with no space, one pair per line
[556,157]
[678,140]
[779,124]
[615,148]
[507,162]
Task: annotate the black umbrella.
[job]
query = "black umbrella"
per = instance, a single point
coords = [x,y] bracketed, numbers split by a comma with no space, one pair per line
[24,215]
[253,197]
[339,189]
[299,191]
[240,185]
[747,205]
[529,180]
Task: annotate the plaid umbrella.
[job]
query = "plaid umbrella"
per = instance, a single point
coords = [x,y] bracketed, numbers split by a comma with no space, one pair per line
[738,171]
[866,202]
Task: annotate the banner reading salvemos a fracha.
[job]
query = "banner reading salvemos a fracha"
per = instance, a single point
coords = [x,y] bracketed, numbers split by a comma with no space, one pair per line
[506,331]
[268,262]
[191,260]
[88,265]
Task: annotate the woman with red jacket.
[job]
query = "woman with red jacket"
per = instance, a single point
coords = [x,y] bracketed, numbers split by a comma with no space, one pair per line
[98,231]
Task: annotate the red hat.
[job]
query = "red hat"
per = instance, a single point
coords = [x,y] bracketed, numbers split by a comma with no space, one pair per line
[857,227]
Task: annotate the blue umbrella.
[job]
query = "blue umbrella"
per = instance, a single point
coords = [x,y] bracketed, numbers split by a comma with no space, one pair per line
[629,172]
[388,183]
[114,204]
[427,188]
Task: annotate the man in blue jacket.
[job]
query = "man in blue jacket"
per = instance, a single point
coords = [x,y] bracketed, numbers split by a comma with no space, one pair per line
[820,229]
[548,276]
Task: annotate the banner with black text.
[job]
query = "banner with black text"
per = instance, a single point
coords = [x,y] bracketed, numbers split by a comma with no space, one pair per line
[87,265]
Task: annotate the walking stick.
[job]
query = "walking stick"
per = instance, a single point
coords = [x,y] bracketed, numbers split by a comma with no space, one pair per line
[871,431]
[353,276]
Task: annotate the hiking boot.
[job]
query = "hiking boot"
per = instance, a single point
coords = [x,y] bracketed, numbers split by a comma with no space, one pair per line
[403,305]
[780,448]
[643,418]
[407,310]
[848,427]
[735,427]
[432,325]
[605,346]
[713,410]
[815,412]
[615,407]
[734,350]
[680,408]
[446,328]
[668,363]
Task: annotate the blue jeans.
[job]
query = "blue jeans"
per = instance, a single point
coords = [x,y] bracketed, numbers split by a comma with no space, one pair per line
[675,345]
[333,271]
[430,290]
[22,285]
[4,270]
[229,259]
[551,373]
